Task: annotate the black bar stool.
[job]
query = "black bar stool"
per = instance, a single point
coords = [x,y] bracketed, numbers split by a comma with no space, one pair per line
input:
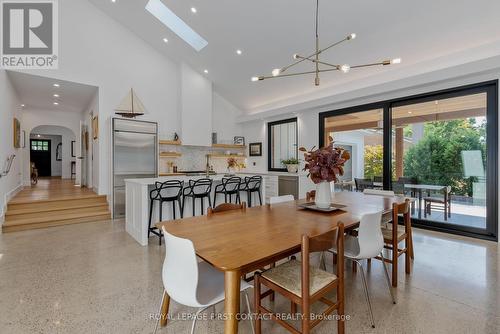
[229,187]
[169,191]
[201,189]
[252,185]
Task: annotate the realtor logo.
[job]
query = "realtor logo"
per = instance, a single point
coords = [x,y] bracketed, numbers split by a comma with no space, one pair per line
[29,34]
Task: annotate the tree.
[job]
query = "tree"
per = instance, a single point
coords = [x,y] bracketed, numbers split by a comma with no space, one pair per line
[374,160]
[437,157]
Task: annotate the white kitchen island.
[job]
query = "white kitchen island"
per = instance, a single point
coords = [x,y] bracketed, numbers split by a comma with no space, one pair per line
[137,202]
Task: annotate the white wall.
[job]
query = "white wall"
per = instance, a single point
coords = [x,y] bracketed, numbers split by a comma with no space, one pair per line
[65,124]
[98,51]
[224,118]
[9,108]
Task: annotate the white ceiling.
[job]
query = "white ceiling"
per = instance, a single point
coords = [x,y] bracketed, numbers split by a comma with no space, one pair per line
[37,92]
[270,32]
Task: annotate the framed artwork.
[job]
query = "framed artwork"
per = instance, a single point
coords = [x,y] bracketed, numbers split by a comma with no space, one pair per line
[95,127]
[239,140]
[17,133]
[73,148]
[255,149]
[59,152]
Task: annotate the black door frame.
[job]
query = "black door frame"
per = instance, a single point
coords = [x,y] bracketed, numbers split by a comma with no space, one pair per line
[489,87]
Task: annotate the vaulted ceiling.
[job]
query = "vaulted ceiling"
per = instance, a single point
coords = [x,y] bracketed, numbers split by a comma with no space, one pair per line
[270,32]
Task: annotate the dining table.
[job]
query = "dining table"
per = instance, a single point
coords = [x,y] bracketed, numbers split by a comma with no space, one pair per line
[241,242]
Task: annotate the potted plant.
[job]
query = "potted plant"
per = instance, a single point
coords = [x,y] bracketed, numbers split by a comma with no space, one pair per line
[324,166]
[292,165]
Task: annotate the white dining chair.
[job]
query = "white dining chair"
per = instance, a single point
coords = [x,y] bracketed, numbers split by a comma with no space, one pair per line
[192,283]
[378,192]
[368,244]
[281,199]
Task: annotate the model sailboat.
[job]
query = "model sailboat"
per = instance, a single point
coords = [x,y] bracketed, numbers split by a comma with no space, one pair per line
[131,106]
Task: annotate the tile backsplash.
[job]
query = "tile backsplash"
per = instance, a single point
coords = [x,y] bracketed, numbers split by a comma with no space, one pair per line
[195,158]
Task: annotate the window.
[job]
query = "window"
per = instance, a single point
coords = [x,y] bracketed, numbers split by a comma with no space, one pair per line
[440,148]
[282,143]
[39,145]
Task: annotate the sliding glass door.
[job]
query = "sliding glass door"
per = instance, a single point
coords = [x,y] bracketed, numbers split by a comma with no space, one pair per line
[440,148]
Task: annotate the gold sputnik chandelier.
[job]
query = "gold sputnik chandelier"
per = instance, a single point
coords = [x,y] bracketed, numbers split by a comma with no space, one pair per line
[320,66]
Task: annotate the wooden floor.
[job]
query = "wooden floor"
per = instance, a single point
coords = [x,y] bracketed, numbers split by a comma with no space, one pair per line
[51,189]
[54,202]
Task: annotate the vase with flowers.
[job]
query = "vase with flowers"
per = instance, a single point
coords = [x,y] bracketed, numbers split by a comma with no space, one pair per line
[232,163]
[324,166]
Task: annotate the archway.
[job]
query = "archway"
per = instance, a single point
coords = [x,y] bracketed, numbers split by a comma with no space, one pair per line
[54,148]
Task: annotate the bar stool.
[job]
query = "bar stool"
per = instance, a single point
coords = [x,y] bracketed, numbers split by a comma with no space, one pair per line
[169,191]
[201,189]
[252,185]
[229,187]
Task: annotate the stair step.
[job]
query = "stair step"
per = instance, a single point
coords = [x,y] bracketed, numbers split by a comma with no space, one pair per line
[57,216]
[15,215]
[81,204]
[23,227]
[55,204]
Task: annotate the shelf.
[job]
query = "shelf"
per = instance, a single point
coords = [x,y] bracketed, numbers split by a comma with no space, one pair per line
[220,155]
[228,146]
[170,154]
[170,142]
[171,174]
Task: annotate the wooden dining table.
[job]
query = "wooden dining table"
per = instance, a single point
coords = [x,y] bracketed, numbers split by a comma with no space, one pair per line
[238,243]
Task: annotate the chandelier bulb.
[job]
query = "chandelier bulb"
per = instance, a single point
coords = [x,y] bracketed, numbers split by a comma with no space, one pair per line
[351,36]
[396,61]
[295,56]
[345,68]
[276,72]
[255,79]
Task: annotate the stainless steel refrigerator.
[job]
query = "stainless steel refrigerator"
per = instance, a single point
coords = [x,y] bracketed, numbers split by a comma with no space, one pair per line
[135,155]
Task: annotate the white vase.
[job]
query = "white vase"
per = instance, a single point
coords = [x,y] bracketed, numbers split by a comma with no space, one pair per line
[292,168]
[323,198]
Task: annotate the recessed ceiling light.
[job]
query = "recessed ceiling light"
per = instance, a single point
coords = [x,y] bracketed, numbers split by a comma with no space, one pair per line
[193,10]
[56,95]
[38,136]
[113,1]
[22,105]
[239,52]
[176,24]
[206,71]
[56,85]
[165,40]
[56,103]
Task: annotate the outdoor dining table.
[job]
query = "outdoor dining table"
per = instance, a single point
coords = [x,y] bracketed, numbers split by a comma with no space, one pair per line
[238,243]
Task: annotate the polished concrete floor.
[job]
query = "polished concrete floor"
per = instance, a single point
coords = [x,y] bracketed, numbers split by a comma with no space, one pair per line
[94,278]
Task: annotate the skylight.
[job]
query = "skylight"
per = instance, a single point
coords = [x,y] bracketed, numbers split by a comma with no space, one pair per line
[174,23]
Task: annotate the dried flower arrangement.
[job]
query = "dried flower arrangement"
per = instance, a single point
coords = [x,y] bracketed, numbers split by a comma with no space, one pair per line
[325,164]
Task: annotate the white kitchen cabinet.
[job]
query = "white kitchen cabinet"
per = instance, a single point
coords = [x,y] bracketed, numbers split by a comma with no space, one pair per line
[271,186]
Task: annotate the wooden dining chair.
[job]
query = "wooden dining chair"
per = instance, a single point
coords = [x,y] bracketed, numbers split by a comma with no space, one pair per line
[304,285]
[393,235]
[226,207]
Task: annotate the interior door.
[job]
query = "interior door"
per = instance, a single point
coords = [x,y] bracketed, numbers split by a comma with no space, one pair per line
[40,155]
[81,157]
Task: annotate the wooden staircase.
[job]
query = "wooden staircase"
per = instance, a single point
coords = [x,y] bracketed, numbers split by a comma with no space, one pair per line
[27,214]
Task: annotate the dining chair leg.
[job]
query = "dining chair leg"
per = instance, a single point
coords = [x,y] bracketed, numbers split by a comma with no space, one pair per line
[150,217]
[412,255]
[194,206]
[395,263]
[210,202]
[215,199]
[260,197]
[202,206]
[249,310]
[407,254]
[256,291]
[367,294]
[293,308]
[249,199]
[173,209]
[163,311]
[194,321]
[322,261]
[387,279]
[179,203]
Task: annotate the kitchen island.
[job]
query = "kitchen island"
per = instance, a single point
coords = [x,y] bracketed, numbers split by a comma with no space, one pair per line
[137,202]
